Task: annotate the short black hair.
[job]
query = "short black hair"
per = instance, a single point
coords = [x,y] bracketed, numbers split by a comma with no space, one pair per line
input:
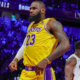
[77,45]
[41,3]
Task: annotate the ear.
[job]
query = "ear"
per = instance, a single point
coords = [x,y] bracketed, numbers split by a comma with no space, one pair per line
[43,10]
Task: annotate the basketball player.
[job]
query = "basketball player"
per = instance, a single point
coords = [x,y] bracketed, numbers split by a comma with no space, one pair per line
[72,67]
[39,46]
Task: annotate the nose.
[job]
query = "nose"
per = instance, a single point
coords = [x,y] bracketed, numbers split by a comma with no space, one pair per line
[31,11]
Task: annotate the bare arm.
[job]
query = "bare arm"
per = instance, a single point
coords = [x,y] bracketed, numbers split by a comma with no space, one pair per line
[58,32]
[56,28]
[69,67]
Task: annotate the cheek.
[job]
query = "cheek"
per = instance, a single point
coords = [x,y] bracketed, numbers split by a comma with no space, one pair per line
[36,12]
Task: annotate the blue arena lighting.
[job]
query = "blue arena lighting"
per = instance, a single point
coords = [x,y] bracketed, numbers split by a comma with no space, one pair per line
[49,7]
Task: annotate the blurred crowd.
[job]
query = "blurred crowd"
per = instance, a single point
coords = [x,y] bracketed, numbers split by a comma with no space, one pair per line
[63,5]
[12,34]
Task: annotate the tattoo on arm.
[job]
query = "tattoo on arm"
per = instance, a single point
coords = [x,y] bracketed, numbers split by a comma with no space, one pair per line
[57,25]
[64,45]
[58,31]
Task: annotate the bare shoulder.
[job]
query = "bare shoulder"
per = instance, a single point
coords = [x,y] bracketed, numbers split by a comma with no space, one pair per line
[71,61]
[57,29]
[55,25]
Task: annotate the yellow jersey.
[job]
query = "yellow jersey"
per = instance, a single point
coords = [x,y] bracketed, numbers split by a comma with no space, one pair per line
[39,43]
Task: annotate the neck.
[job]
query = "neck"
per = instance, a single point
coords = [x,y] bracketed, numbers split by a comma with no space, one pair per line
[42,18]
[77,53]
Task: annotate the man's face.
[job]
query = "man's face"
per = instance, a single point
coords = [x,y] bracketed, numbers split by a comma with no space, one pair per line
[35,11]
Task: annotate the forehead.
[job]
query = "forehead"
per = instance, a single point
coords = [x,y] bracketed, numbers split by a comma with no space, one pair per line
[35,4]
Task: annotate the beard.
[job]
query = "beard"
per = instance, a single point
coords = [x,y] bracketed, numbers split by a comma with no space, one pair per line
[35,17]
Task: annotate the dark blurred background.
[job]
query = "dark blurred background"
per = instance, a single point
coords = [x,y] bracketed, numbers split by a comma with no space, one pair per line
[13,27]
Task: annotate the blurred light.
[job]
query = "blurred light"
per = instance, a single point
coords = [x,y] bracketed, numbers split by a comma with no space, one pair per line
[49,7]
[3,42]
[60,58]
[12,53]
[24,7]
[65,29]
[13,16]
[73,6]
[20,68]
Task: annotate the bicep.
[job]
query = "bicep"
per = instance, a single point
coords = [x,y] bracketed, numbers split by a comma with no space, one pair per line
[61,36]
[69,69]
[57,29]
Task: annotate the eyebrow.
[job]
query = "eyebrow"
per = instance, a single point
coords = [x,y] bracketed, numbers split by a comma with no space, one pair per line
[33,7]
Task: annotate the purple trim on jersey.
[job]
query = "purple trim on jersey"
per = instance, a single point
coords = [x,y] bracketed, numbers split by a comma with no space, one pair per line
[33,68]
[36,29]
[48,74]
[47,30]
[29,68]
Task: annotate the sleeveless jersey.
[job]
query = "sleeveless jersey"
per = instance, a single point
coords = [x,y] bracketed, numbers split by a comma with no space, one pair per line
[39,43]
[76,70]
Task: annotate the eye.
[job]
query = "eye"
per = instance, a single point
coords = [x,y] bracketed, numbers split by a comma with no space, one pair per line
[34,8]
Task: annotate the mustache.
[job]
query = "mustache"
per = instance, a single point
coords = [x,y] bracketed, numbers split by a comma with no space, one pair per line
[31,14]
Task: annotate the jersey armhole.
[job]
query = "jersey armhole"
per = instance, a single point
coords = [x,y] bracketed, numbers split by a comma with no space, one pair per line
[46,25]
